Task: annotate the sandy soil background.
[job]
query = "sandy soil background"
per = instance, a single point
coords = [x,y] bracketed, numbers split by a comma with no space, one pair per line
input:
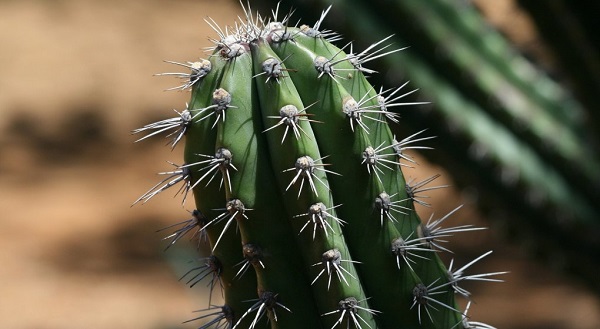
[75,78]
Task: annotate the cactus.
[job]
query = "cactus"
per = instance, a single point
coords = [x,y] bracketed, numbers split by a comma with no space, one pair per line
[298,187]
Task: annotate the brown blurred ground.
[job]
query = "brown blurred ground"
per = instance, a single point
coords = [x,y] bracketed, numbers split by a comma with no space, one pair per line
[75,77]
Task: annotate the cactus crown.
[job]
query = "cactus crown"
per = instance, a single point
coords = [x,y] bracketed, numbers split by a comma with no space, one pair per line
[298,187]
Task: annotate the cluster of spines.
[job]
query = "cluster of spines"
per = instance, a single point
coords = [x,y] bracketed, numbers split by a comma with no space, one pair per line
[373,218]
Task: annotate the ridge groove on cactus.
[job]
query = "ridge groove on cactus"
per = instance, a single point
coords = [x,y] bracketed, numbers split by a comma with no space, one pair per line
[298,187]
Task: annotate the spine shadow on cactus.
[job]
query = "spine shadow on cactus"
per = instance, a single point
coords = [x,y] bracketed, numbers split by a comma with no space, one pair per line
[311,194]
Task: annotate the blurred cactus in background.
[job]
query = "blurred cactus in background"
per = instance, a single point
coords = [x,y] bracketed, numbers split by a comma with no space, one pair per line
[294,160]
[526,144]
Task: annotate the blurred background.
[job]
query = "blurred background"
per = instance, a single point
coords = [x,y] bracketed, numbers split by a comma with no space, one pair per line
[511,85]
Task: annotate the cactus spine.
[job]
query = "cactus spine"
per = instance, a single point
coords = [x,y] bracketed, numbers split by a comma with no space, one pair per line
[298,186]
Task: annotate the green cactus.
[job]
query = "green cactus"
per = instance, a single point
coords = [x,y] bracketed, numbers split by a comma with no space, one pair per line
[298,188]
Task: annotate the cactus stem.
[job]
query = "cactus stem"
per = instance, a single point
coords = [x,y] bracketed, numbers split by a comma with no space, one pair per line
[289,116]
[432,231]
[252,256]
[179,123]
[198,220]
[266,302]
[348,307]
[181,174]
[305,167]
[318,216]
[405,248]
[385,205]
[413,190]
[212,266]
[401,146]
[457,276]
[221,160]
[332,261]
[223,313]
[233,210]
[299,65]
[421,297]
[198,71]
